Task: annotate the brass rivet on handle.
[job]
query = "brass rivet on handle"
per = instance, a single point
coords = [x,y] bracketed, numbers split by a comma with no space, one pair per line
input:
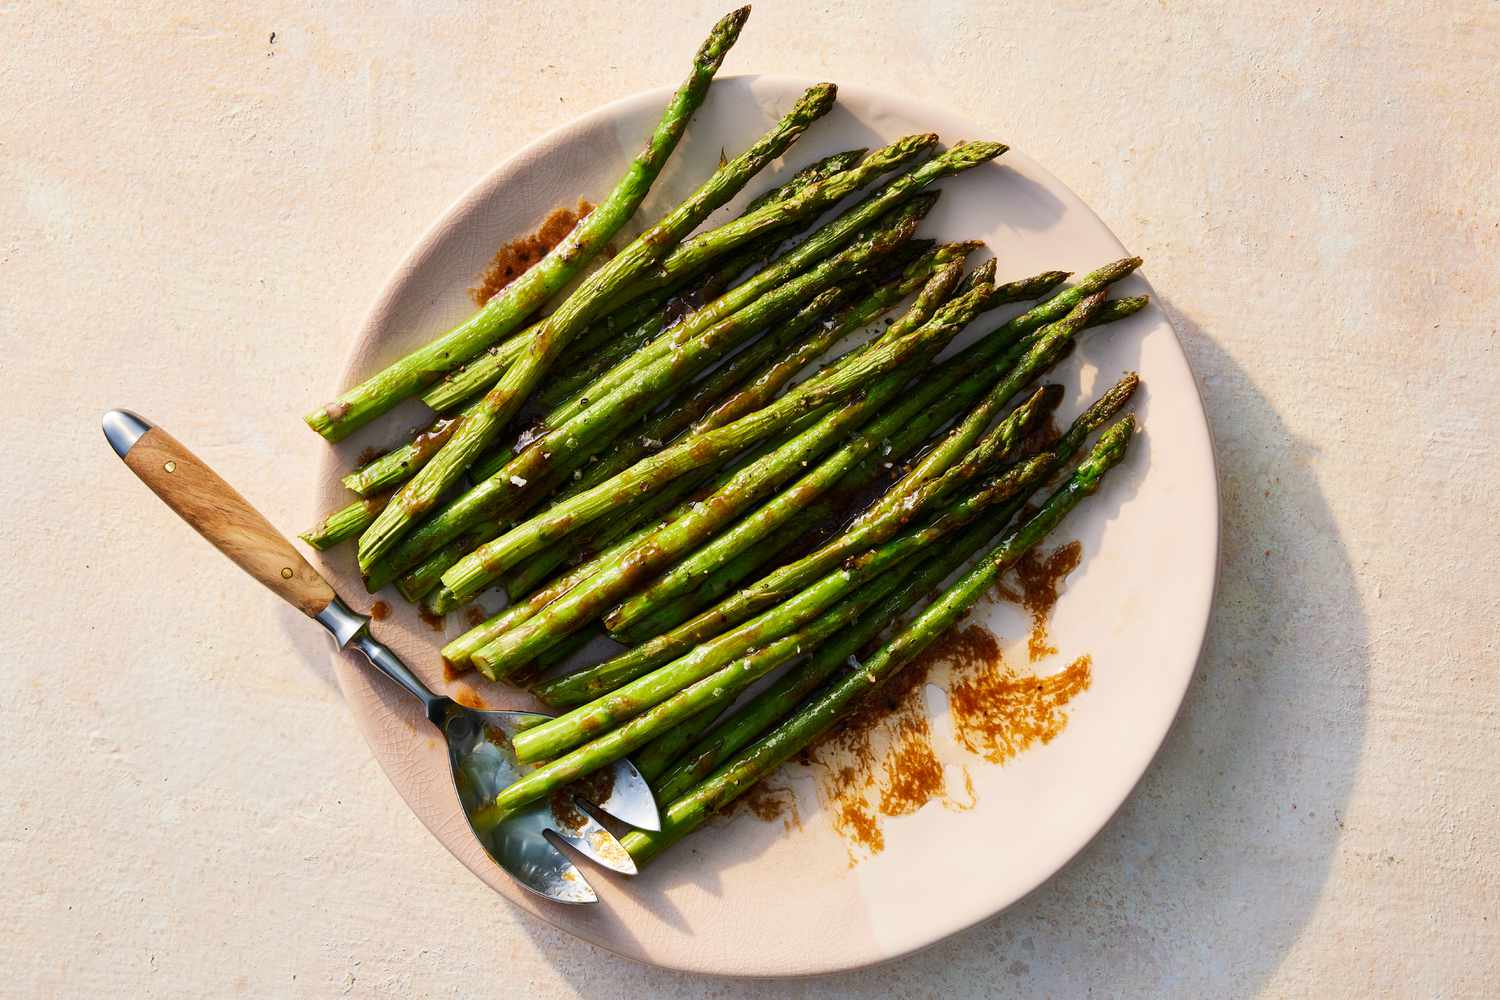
[170,466]
[286,572]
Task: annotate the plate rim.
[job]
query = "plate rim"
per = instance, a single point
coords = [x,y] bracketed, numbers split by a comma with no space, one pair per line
[487,187]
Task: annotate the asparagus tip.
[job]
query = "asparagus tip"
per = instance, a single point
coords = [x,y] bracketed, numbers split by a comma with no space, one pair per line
[723,36]
[819,97]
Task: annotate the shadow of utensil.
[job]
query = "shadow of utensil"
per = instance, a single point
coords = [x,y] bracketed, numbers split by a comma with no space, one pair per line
[1204,879]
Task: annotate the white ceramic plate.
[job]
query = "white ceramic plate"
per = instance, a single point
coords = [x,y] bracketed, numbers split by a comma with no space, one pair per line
[1138,603]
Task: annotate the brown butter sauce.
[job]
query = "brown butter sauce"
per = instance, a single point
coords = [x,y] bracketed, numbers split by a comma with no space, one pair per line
[881,762]
[512,259]
[1039,577]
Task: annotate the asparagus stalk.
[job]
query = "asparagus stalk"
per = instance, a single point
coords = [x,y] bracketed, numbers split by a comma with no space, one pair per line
[457,653]
[579,687]
[708,693]
[900,503]
[923,485]
[1023,363]
[417,583]
[786,213]
[770,220]
[502,314]
[487,417]
[658,755]
[622,331]
[398,464]
[753,481]
[344,523]
[528,576]
[760,390]
[763,369]
[733,492]
[772,704]
[825,240]
[683,709]
[955,384]
[557,735]
[687,812]
[890,594]
[698,398]
[463,385]
[570,444]
[478,504]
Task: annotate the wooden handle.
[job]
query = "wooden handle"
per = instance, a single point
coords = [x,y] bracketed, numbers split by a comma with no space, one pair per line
[226,519]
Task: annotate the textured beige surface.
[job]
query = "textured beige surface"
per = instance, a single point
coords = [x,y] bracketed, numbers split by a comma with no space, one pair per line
[192,217]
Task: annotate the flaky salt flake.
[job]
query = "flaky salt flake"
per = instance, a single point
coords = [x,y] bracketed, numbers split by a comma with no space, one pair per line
[517,481]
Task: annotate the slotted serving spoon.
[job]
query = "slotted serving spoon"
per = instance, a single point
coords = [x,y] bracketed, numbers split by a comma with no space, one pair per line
[478,742]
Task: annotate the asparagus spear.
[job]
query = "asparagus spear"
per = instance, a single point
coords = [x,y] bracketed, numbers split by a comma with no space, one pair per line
[506,311]
[570,444]
[458,652]
[644,518]
[718,241]
[923,485]
[624,330]
[580,686]
[698,398]
[655,757]
[639,519]
[477,505]
[525,578]
[417,583]
[1023,363]
[486,418]
[759,390]
[463,385]
[735,490]
[814,718]
[942,394]
[902,500]
[772,704]
[399,464]
[824,240]
[684,709]
[549,738]
[344,523]
[763,369]
[863,368]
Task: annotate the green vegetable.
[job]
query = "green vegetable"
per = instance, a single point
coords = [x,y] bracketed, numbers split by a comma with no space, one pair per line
[861,369]
[824,709]
[621,332]
[777,700]
[483,421]
[554,736]
[959,380]
[502,314]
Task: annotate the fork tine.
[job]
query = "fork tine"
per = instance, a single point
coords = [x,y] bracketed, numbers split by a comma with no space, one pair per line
[587,836]
[520,847]
[629,799]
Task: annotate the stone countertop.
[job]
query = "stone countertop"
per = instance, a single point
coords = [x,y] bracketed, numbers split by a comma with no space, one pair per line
[197,205]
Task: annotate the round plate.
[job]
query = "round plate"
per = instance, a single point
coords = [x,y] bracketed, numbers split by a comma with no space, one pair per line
[1138,603]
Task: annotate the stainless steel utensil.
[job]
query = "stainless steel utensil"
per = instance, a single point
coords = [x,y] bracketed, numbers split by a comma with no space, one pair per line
[478,742]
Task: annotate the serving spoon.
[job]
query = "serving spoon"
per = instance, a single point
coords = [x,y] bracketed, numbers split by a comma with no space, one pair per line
[478,742]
